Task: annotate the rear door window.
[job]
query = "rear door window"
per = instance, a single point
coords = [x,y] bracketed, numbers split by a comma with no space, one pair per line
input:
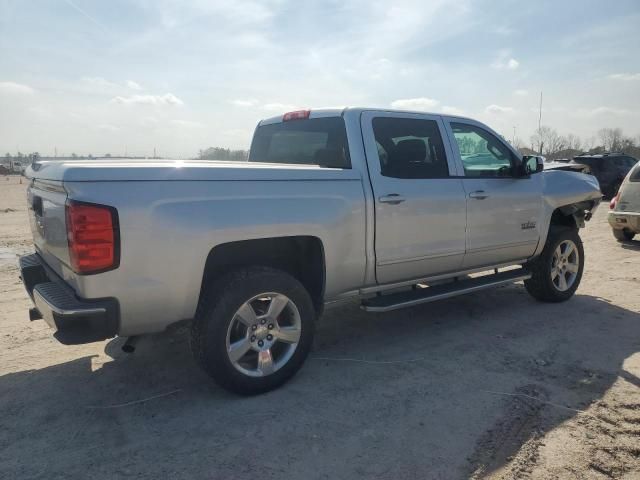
[410,148]
[314,141]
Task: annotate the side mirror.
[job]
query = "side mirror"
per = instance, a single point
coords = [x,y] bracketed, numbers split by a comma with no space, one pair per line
[532,164]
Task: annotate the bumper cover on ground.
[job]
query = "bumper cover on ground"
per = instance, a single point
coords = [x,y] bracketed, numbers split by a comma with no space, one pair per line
[74,320]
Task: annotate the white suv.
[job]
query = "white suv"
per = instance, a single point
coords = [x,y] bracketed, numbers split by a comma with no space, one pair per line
[624,213]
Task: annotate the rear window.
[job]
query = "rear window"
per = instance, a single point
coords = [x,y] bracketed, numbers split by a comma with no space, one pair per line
[635,174]
[316,141]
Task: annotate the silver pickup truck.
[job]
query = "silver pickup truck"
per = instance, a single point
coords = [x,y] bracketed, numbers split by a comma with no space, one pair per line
[391,208]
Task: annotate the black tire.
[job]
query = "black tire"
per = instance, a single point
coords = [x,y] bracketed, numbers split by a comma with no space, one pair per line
[217,308]
[541,286]
[623,235]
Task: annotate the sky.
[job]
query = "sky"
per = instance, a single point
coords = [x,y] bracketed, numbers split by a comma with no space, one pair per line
[89,76]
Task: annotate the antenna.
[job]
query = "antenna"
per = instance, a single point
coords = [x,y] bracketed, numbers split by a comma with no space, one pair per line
[540,122]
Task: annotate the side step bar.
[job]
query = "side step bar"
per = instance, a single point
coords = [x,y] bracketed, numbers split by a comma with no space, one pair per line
[394,301]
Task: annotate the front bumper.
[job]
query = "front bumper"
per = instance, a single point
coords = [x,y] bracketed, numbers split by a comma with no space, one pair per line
[74,320]
[624,220]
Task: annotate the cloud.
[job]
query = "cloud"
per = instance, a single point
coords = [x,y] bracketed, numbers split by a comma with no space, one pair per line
[498,109]
[188,124]
[248,102]
[107,127]
[504,30]
[422,104]
[99,84]
[448,110]
[12,88]
[159,100]
[133,85]
[624,76]
[279,107]
[505,61]
[598,111]
[521,92]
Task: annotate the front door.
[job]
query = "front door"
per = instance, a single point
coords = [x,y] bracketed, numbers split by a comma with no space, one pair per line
[503,208]
[420,210]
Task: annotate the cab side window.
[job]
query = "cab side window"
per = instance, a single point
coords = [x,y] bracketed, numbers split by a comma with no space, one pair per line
[482,154]
[410,148]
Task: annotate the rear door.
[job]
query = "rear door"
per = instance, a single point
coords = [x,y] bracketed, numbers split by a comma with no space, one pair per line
[503,209]
[419,203]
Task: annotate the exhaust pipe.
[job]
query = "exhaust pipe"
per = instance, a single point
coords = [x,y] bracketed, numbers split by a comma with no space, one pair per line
[130,345]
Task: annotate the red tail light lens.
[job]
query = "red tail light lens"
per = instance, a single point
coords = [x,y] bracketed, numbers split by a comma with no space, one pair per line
[93,236]
[297,115]
[614,202]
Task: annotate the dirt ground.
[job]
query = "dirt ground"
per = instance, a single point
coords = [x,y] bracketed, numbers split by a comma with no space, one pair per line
[489,385]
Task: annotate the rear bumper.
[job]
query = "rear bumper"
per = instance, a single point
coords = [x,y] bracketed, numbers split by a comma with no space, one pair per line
[74,320]
[624,220]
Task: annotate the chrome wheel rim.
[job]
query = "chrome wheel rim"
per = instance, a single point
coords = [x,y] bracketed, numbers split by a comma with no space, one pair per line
[263,334]
[565,265]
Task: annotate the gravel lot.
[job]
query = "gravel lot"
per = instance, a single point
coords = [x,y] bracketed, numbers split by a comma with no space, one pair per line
[489,385]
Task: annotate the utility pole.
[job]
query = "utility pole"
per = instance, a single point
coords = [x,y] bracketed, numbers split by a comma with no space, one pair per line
[513,142]
[540,122]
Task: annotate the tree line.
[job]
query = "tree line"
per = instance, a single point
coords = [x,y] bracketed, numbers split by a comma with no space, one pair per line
[219,153]
[548,142]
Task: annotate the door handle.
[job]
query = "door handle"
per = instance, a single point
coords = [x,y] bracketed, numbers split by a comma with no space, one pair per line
[391,199]
[478,195]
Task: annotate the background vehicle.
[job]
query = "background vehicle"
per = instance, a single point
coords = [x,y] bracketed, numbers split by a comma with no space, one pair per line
[609,168]
[624,214]
[392,208]
[565,164]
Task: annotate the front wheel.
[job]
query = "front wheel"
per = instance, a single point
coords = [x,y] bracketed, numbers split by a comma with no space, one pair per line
[557,272]
[253,329]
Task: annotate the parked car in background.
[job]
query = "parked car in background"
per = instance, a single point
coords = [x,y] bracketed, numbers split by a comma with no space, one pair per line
[563,164]
[609,168]
[624,214]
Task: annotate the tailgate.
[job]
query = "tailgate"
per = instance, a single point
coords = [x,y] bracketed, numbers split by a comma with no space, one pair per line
[46,204]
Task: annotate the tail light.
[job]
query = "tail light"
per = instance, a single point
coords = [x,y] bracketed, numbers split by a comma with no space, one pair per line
[614,201]
[93,236]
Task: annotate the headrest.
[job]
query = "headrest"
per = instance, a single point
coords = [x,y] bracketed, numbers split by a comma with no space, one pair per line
[412,150]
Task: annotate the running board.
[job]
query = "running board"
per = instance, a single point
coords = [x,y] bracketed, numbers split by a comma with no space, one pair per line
[385,303]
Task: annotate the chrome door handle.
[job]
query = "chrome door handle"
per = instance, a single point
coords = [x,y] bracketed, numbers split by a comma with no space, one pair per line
[478,195]
[392,199]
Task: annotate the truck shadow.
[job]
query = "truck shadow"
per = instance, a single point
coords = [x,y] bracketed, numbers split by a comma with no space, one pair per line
[446,389]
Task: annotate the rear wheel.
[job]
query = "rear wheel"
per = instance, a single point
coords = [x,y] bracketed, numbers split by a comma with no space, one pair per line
[253,329]
[557,272]
[623,235]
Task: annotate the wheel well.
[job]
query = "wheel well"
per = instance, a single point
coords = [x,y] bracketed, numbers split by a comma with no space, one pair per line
[300,256]
[573,215]
[560,218]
